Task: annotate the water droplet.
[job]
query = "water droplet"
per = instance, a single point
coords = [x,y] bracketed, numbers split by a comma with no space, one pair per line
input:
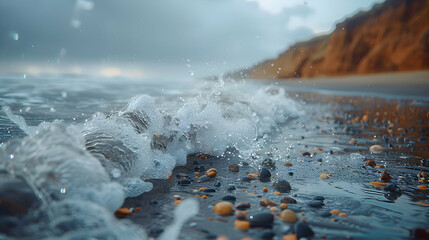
[15,36]
[64,94]
[52,109]
[24,76]
[63,190]
[12,156]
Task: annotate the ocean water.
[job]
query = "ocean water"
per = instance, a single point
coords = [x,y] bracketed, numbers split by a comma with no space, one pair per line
[73,149]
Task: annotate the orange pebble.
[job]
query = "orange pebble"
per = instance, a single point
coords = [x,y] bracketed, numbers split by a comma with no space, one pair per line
[422,186]
[122,212]
[290,237]
[283,205]
[335,211]
[242,225]
[277,192]
[177,202]
[223,208]
[204,197]
[265,189]
[197,196]
[201,189]
[343,214]
[137,209]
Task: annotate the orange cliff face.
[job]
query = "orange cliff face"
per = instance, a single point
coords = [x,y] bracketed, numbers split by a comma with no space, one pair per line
[392,36]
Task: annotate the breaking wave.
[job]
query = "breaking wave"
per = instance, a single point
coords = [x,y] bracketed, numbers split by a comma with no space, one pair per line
[73,177]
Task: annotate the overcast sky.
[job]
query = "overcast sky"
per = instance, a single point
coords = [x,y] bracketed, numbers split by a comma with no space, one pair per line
[150,38]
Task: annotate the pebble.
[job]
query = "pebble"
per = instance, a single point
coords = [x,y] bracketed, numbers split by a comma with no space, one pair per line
[370,163]
[204,178]
[177,202]
[262,219]
[229,198]
[242,205]
[324,176]
[306,154]
[231,187]
[302,229]
[316,204]
[283,205]
[282,186]
[241,214]
[234,168]
[209,190]
[211,173]
[269,163]
[287,164]
[177,197]
[376,149]
[223,208]
[265,189]
[246,179]
[290,237]
[242,225]
[253,176]
[392,187]
[325,214]
[343,214]
[287,199]
[267,203]
[334,212]
[385,176]
[267,234]
[320,198]
[264,175]
[217,184]
[122,212]
[288,215]
[422,187]
[184,182]
[290,173]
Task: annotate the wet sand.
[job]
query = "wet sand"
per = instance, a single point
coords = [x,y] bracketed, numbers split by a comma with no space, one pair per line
[338,127]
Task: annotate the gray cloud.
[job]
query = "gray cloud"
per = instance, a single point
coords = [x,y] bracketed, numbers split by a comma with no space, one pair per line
[225,33]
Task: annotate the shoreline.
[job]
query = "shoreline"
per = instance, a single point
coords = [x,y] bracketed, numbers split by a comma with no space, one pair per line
[403,85]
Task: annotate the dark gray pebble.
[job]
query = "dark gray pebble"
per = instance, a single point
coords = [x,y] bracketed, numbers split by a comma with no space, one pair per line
[306,154]
[204,178]
[392,187]
[229,198]
[286,199]
[320,198]
[269,163]
[209,190]
[230,187]
[268,235]
[262,219]
[246,179]
[264,175]
[316,204]
[302,229]
[325,214]
[184,182]
[153,202]
[290,173]
[422,139]
[282,186]
[217,184]
[242,206]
